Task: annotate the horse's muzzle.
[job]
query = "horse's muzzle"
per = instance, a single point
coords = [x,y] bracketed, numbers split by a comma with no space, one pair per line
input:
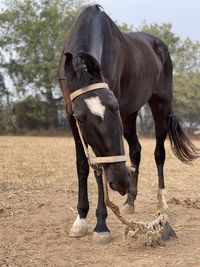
[118,177]
[120,190]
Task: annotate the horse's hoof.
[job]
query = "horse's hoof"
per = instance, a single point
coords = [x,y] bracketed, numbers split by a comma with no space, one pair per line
[127,209]
[78,232]
[101,238]
[79,228]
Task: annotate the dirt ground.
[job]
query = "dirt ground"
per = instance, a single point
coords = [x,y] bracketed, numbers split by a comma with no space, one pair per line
[38,195]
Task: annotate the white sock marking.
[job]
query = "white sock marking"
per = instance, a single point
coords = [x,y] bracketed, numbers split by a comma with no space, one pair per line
[162,199]
[79,228]
[95,106]
[82,223]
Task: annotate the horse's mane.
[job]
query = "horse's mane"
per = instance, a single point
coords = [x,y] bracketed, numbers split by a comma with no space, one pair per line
[83,25]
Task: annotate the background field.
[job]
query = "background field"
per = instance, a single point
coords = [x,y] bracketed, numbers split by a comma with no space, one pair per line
[38,194]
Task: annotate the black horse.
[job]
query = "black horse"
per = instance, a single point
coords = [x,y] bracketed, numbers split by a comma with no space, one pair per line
[138,70]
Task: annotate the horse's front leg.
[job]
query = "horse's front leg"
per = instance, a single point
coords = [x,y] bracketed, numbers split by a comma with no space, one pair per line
[101,233]
[80,227]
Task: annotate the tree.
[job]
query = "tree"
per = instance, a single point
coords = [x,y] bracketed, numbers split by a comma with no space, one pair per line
[186,60]
[164,32]
[31,113]
[2,89]
[124,27]
[187,83]
[187,98]
[32,34]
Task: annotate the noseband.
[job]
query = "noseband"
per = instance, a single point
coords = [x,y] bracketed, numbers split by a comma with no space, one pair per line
[94,160]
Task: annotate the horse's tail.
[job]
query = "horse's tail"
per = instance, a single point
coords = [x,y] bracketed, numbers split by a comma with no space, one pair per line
[182,147]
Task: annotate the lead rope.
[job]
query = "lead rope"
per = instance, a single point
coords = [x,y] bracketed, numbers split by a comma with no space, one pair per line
[109,203]
[83,142]
[152,234]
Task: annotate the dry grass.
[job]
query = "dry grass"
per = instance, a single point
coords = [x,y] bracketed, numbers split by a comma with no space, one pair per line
[38,187]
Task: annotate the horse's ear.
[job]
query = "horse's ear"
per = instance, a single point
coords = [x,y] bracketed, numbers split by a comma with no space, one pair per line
[69,69]
[91,63]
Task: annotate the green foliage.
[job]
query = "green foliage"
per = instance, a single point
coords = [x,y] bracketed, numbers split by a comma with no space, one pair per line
[2,89]
[187,98]
[164,32]
[186,60]
[32,113]
[125,27]
[32,34]
[7,121]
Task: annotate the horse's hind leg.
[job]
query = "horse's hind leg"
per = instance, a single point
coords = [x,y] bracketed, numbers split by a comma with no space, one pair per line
[101,233]
[160,110]
[135,155]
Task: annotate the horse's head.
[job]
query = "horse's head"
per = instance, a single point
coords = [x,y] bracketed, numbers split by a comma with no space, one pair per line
[98,116]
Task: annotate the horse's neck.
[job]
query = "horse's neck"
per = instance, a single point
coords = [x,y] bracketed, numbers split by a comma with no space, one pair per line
[102,41]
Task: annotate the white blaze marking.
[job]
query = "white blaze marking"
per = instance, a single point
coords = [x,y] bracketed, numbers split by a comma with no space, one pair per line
[95,106]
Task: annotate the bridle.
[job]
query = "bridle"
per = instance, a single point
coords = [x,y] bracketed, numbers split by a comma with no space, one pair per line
[94,160]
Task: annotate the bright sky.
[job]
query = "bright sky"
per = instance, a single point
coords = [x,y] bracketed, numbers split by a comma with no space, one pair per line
[184,15]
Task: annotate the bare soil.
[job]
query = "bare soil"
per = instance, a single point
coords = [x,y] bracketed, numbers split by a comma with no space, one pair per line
[38,195]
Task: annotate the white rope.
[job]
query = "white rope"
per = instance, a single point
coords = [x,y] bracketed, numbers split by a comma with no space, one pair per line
[150,233]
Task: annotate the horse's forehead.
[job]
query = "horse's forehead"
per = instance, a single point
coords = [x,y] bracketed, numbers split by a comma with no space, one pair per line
[95,106]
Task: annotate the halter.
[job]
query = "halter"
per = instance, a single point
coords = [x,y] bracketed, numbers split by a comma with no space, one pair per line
[94,160]
[94,86]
